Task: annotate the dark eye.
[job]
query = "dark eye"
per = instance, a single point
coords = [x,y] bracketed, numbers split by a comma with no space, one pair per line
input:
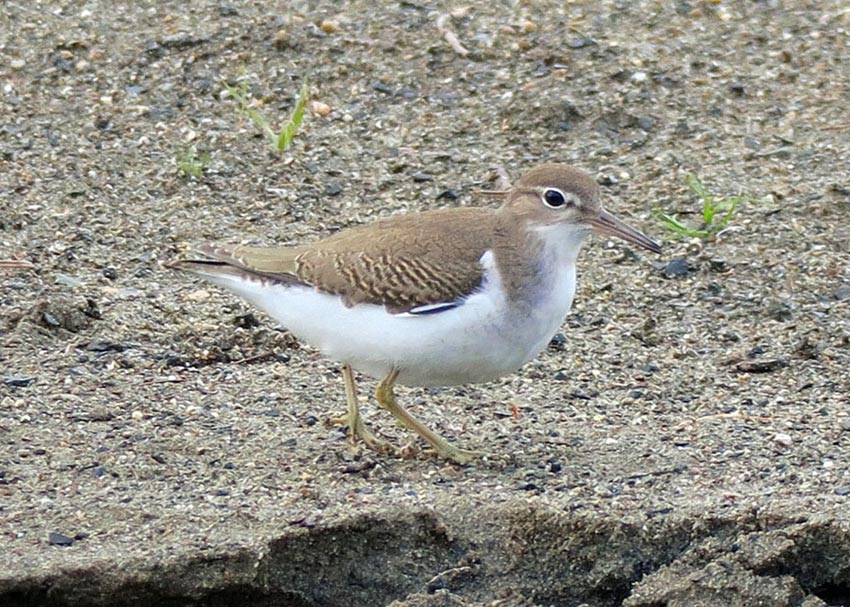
[554,198]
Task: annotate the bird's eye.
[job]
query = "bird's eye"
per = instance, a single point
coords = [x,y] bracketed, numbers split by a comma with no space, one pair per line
[554,199]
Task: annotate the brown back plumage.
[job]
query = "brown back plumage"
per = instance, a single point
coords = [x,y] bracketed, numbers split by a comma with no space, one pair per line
[401,262]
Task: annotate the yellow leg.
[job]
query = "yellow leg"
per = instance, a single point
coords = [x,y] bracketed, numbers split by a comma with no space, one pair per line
[443,448]
[356,428]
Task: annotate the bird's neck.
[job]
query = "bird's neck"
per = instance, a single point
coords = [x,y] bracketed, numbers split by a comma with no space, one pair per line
[533,260]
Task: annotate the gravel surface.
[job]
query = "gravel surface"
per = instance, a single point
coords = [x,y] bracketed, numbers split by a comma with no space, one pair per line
[683,443]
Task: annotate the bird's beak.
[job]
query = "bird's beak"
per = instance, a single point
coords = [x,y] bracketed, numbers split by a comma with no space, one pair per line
[606,223]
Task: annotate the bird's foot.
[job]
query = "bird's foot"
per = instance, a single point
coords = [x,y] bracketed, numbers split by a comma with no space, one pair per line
[359,433]
[455,454]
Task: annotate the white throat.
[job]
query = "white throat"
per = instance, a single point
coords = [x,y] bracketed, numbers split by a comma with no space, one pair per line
[561,242]
[552,296]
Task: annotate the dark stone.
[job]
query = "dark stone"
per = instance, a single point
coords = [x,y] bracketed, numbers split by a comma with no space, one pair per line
[647,124]
[841,293]
[59,539]
[558,342]
[19,381]
[738,89]
[381,88]
[675,268]
[105,346]
[717,265]
[246,321]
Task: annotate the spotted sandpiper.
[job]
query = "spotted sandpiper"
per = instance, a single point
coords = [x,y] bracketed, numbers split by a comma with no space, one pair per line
[439,298]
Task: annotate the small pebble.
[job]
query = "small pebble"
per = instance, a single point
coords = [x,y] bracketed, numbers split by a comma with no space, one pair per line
[558,343]
[199,295]
[580,42]
[528,26]
[19,381]
[676,268]
[329,26]
[717,264]
[841,293]
[281,40]
[68,281]
[783,440]
[59,539]
[646,123]
[319,108]
[129,293]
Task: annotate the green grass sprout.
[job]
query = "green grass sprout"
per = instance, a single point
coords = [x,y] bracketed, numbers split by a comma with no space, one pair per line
[716,213]
[281,139]
[191,165]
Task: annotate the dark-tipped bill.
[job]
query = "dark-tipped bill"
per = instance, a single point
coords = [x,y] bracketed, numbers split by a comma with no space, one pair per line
[606,223]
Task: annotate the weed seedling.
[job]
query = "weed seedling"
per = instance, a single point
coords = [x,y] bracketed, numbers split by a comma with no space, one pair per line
[192,165]
[716,213]
[279,139]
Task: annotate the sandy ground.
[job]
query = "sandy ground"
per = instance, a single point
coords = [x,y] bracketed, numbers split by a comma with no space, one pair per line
[683,443]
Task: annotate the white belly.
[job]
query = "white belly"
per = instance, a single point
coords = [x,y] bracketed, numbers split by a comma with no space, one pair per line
[482,339]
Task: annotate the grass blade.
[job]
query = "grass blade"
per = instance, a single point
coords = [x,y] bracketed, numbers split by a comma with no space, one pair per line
[295,118]
[674,225]
[697,186]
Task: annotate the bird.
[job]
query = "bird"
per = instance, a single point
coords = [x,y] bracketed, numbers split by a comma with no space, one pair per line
[438,298]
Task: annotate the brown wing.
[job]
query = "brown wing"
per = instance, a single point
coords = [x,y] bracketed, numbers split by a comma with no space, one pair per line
[401,263]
